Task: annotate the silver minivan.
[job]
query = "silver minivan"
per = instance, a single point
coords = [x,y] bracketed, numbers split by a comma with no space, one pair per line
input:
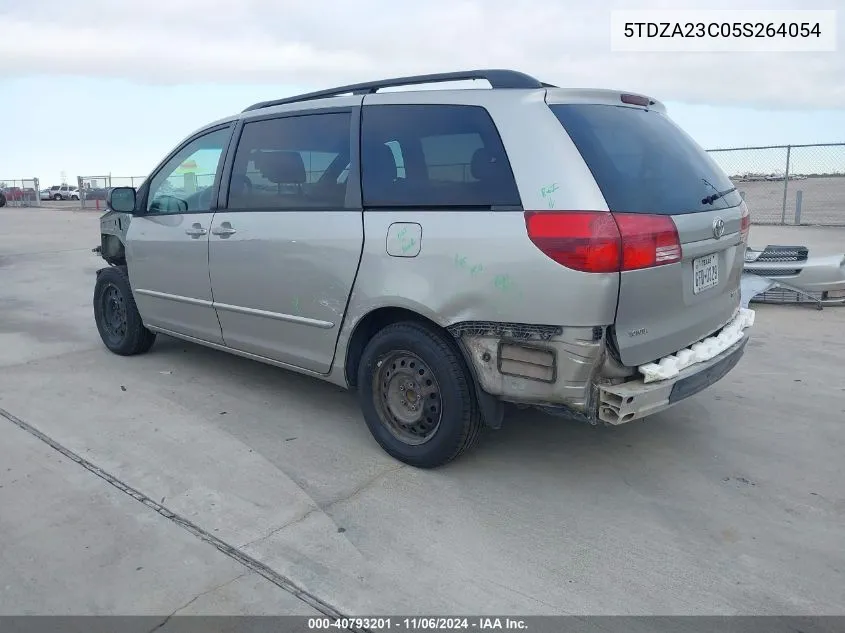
[442,252]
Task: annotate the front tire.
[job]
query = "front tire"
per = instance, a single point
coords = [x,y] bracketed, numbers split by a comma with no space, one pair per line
[57,197]
[417,396]
[117,316]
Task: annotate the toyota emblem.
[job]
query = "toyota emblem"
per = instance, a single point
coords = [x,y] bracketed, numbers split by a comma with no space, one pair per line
[718,228]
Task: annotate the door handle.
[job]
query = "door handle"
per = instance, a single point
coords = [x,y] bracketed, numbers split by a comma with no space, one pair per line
[224,230]
[196,230]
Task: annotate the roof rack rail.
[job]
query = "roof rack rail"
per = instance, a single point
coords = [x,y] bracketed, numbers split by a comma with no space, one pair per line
[498,78]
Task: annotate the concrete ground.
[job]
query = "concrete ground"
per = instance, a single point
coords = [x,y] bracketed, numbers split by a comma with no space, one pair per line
[731,503]
[74,544]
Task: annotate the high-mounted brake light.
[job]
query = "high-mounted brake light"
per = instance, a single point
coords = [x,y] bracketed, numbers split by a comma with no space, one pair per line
[603,242]
[744,224]
[637,100]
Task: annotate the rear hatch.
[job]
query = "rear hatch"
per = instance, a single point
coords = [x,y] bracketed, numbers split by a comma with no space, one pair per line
[656,179]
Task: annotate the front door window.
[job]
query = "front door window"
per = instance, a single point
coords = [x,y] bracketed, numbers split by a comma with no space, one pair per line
[185,183]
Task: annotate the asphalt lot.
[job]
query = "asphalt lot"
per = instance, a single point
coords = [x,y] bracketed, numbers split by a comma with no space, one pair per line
[731,503]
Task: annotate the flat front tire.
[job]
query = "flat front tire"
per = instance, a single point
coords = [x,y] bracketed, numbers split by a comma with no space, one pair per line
[417,396]
[117,316]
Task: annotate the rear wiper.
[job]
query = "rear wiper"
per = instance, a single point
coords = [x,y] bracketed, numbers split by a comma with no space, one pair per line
[719,194]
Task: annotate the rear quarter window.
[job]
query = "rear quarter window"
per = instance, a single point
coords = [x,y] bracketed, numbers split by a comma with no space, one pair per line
[434,156]
[643,162]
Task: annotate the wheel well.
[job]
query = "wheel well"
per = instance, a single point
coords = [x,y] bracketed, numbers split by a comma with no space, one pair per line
[112,249]
[368,327]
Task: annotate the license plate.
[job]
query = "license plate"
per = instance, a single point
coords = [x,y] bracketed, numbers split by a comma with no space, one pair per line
[705,273]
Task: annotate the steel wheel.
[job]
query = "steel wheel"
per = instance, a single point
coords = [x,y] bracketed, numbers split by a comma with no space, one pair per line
[408,399]
[114,313]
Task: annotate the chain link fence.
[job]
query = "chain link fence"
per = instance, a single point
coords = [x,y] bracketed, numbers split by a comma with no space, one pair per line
[782,184]
[93,189]
[20,192]
[789,184]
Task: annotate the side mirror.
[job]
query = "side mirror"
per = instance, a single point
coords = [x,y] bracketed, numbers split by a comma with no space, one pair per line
[122,199]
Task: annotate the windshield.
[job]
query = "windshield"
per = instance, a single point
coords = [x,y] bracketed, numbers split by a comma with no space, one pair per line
[644,163]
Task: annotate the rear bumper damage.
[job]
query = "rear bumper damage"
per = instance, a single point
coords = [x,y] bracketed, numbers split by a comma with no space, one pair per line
[677,376]
[538,365]
[701,352]
[569,372]
[637,399]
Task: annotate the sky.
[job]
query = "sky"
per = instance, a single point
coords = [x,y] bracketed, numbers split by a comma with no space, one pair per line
[96,86]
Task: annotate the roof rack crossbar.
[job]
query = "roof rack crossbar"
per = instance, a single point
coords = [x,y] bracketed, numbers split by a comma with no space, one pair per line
[498,79]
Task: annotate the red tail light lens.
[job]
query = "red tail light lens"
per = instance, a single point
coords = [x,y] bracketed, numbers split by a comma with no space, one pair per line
[588,241]
[744,224]
[601,242]
[648,240]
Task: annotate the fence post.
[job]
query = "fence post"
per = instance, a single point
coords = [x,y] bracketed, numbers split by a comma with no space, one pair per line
[81,189]
[785,185]
[799,196]
[37,184]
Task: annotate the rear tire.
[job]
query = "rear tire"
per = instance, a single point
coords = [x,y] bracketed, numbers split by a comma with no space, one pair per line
[117,316]
[417,395]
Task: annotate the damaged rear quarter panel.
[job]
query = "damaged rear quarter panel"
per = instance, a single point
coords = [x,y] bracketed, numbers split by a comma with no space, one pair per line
[476,266]
[481,266]
[542,368]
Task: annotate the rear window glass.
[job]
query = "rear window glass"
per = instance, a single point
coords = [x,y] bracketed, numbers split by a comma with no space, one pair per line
[434,156]
[643,162]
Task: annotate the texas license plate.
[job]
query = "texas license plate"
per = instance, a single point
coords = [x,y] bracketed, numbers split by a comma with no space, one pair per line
[705,273]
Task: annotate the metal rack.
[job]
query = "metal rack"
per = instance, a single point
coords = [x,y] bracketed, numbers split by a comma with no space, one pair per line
[499,79]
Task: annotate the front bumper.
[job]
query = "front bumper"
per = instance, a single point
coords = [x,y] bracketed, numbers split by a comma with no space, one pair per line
[796,276]
[637,399]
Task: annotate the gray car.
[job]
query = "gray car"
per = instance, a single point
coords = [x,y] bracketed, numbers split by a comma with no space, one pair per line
[442,252]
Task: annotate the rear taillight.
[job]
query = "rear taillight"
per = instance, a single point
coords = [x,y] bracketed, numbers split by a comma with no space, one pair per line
[601,242]
[647,240]
[582,240]
[744,224]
